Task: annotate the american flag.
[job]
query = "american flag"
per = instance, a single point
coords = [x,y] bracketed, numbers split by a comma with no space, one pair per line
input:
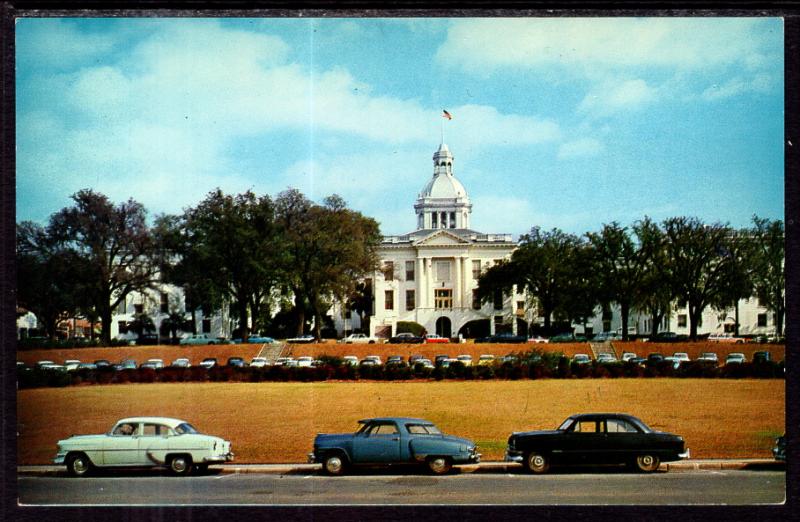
[446,114]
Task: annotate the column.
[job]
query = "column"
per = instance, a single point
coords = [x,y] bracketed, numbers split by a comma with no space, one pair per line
[514,309]
[418,276]
[466,295]
[457,283]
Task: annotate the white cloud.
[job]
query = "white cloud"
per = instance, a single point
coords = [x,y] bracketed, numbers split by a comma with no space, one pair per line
[580,148]
[759,83]
[611,97]
[57,43]
[486,43]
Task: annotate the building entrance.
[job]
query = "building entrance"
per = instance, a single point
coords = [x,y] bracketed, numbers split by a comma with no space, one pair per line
[443,327]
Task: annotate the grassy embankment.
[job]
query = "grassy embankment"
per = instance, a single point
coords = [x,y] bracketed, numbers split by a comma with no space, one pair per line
[276,422]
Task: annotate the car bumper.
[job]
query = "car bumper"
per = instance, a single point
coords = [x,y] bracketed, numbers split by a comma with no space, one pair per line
[312,459]
[514,456]
[685,455]
[219,459]
[60,458]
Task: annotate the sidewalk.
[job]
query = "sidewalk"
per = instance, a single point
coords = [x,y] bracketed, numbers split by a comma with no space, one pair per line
[483,467]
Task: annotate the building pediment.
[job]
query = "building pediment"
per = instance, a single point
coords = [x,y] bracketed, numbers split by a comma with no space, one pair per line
[441,238]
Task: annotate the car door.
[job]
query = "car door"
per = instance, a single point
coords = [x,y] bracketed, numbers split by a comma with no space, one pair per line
[153,444]
[623,440]
[122,445]
[380,443]
[583,443]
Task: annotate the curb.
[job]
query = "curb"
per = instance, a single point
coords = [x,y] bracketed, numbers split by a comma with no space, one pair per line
[483,467]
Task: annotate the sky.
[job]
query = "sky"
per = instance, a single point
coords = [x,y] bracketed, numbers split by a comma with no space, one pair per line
[557,122]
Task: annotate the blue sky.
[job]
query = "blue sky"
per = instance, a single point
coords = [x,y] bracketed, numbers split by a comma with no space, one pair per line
[567,123]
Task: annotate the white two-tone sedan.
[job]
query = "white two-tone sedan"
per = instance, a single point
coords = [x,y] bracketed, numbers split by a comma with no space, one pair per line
[144,442]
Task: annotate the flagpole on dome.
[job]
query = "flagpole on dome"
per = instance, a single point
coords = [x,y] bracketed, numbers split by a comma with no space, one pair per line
[447,116]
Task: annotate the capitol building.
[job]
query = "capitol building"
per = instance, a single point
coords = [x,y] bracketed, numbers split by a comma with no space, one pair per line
[430,275]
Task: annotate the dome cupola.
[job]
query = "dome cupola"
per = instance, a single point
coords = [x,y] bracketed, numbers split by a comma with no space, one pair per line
[443,202]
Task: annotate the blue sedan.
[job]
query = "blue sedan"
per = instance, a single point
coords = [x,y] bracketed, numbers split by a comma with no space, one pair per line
[256,339]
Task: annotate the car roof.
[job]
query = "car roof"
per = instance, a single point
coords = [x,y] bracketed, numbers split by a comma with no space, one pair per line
[158,420]
[603,416]
[395,419]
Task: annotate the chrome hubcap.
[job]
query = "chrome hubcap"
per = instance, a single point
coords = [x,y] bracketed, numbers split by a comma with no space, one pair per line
[333,464]
[80,466]
[438,464]
[537,461]
[179,465]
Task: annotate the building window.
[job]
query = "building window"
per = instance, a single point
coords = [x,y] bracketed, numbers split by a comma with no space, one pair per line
[123,327]
[476,269]
[607,315]
[520,307]
[443,220]
[388,270]
[348,313]
[410,270]
[434,217]
[681,320]
[122,307]
[443,299]
[443,270]
[762,320]
[138,308]
[498,299]
[476,300]
[389,300]
[164,303]
[411,299]
[498,321]
[452,220]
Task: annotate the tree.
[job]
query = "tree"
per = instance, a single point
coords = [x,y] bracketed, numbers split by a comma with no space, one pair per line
[701,265]
[330,248]
[545,266]
[618,264]
[115,244]
[654,294]
[768,258]
[232,246]
[48,277]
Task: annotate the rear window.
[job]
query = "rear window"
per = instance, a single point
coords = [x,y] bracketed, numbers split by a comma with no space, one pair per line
[185,427]
[423,429]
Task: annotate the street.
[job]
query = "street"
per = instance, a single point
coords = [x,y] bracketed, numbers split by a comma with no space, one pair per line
[737,487]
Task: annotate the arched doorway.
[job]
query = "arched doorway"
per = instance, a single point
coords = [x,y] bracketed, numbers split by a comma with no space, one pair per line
[443,327]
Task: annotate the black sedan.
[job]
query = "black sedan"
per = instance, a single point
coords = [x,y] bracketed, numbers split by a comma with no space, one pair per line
[406,338]
[596,438]
[505,337]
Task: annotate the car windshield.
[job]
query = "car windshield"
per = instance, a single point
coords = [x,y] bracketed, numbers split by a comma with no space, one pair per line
[185,427]
[565,425]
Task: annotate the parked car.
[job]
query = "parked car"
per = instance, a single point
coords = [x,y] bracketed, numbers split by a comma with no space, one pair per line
[683,357]
[392,440]
[606,358]
[71,364]
[735,358]
[303,339]
[537,339]
[779,451]
[433,338]
[369,362]
[181,362]
[504,337]
[568,338]
[627,356]
[256,339]
[258,362]
[144,442]
[674,361]
[359,338]
[725,338]
[762,357]
[464,359]
[654,358]
[87,366]
[406,338]
[596,438]
[100,363]
[208,362]
[285,361]
[709,357]
[396,360]
[305,361]
[352,360]
[148,339]
[581,358]
[236,362]
[126,364]
[426,363]
[606,336]
[486,360]
[375,358]
[668,337]
[439,358]
[198,339]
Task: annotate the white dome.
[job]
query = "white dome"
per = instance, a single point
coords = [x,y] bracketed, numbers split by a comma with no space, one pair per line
[444,186]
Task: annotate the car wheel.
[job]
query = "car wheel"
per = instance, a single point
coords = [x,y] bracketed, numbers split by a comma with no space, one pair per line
[79,465]
[537,463]
[647,463]
[439,465]
[180,465]
[372,342]
[334,464]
